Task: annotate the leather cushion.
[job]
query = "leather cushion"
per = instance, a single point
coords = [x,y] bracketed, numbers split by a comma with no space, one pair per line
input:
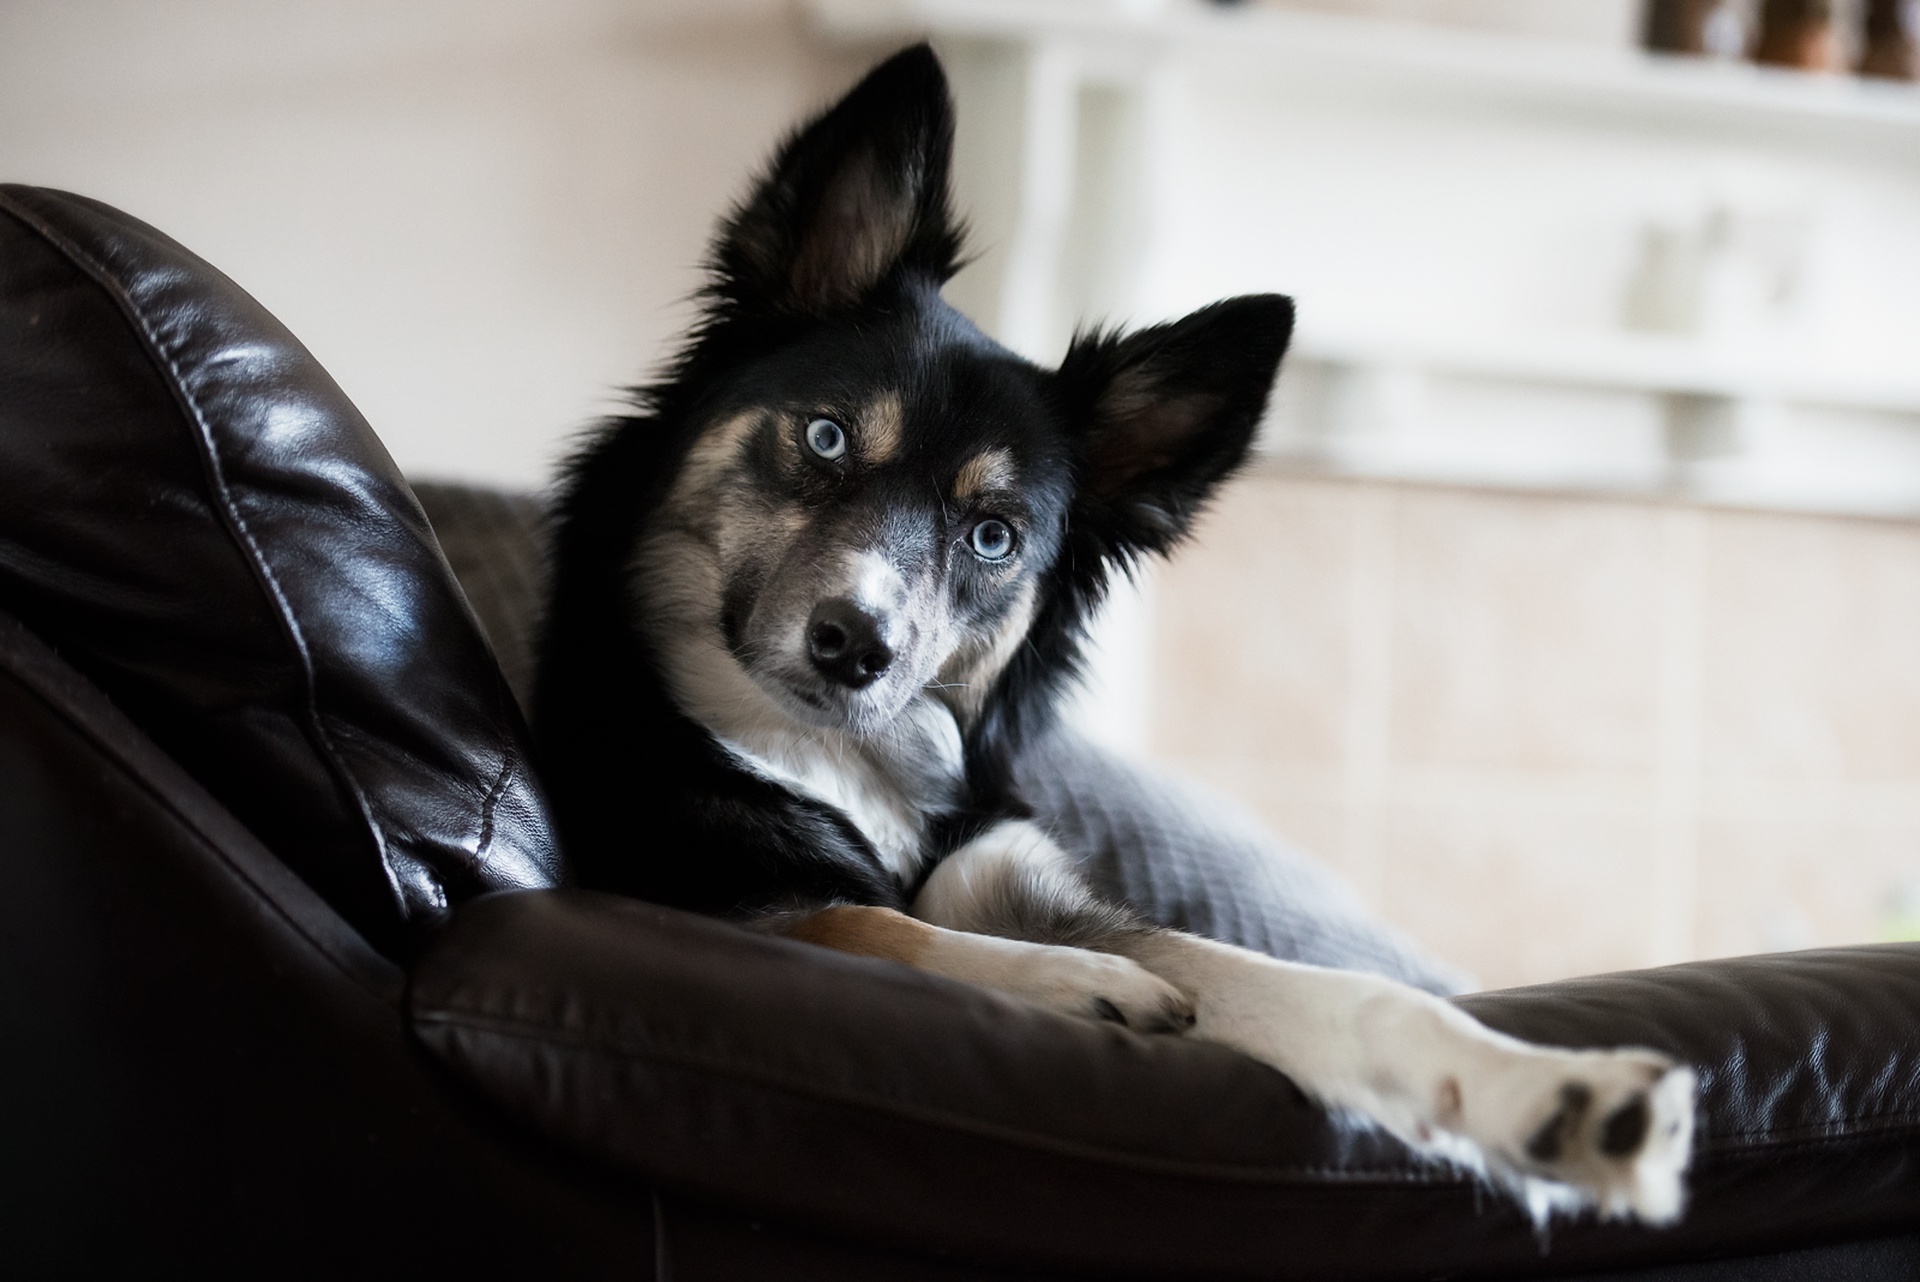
[862,1098]
[194,514]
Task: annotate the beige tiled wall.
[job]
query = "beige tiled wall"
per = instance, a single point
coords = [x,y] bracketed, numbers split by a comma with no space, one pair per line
[1553,735]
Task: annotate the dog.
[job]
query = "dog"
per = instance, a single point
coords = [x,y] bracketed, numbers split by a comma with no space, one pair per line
[813,596]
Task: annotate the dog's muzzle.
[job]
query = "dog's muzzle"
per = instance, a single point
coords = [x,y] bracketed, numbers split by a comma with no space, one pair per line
[845,644]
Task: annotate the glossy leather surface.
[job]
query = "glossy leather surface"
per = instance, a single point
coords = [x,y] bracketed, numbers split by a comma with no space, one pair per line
[205,1067]
[889,1105]
[196,516]
[1810,1079]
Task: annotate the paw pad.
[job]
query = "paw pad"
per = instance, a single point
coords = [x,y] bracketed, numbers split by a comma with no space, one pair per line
[1550,1141]
[1626,1130]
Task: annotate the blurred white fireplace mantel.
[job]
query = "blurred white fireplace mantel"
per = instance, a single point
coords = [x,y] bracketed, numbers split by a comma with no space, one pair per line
[1518,262]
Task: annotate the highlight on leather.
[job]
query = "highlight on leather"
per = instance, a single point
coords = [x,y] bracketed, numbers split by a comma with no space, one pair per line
[204,524]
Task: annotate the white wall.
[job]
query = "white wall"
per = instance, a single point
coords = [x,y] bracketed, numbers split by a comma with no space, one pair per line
[481,215]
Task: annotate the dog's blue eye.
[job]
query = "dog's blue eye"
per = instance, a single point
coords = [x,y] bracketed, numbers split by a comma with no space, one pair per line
[992,540]
[826,438]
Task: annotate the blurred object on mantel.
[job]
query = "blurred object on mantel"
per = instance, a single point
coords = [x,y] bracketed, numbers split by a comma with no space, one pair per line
[1892,27]
[1608,23]
[1704,28]
[1798,33]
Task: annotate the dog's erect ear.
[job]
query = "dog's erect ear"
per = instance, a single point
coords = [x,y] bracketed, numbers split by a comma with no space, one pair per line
[1167,414]
[852,196]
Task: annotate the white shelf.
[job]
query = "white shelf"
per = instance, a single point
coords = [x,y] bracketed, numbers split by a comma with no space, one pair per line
[1814,114]
[1370,53]
[1802,409]
[1622,361]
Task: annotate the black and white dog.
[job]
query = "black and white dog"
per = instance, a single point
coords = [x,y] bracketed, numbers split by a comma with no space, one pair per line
[812,597]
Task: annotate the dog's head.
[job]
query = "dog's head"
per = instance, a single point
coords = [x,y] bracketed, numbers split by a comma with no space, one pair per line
[870,497]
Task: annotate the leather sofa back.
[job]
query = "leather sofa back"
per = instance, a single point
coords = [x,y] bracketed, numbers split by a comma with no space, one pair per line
[194,514]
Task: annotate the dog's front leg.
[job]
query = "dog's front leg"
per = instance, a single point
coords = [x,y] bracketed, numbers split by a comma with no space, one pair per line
[1608,1127]
[1072,981]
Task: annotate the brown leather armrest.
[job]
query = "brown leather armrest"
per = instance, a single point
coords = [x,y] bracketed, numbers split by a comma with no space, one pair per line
[1821,1045]
[863,1098]
[206,1067]
[1809,1071]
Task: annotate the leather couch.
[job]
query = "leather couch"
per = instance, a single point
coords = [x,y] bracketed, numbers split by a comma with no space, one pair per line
[295,982]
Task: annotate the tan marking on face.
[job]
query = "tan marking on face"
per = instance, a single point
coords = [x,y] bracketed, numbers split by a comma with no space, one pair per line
[709,501]
[964,678]
[868,932]
[881,429]
[788,444]
[715,454]
[987,470]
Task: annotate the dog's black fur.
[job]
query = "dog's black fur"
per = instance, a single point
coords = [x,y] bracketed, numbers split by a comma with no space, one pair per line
[1117,450]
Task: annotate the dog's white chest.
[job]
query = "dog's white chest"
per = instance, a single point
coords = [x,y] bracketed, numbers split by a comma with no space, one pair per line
[889,785]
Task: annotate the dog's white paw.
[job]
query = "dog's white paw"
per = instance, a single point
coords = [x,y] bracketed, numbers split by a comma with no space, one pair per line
[1078,982]
[1072,981]
[1614,1128]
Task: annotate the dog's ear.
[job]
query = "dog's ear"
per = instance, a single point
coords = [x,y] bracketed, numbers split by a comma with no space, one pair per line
[850,198]
[1166,414]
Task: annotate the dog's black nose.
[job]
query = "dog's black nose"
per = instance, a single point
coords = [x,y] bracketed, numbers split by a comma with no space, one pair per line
[844,643]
